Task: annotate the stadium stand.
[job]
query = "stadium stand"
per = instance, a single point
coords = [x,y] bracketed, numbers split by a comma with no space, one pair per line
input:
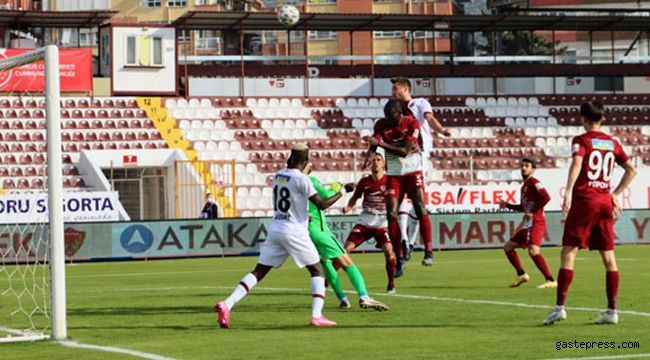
[490,135]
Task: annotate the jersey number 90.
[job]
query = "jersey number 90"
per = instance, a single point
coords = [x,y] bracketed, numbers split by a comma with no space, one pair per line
[600,164]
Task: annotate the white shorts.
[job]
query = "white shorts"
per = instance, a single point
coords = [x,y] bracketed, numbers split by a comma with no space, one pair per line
[279,245]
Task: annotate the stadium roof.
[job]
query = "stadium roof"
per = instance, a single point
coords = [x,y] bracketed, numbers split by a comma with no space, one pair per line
[212,20]
[54,19]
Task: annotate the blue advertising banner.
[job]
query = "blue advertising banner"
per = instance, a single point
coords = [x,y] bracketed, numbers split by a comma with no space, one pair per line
[187,238]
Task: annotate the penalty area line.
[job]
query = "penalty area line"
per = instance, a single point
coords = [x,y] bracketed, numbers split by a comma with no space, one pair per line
[505,303]
[470,301]
[140,354]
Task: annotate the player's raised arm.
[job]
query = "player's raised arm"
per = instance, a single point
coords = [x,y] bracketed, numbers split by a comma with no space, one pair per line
[323,204]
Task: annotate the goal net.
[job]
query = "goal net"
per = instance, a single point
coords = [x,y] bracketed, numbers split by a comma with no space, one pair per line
[32,261]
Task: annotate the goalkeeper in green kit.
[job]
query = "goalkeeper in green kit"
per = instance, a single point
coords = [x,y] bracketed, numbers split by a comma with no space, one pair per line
[330,250]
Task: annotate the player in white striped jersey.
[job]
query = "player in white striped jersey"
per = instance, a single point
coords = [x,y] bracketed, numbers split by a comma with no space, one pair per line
[288,236]
[421,110]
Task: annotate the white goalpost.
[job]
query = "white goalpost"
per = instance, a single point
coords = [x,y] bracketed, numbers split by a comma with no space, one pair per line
[32,249]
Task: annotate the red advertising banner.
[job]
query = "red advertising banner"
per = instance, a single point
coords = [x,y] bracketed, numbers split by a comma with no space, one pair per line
[75,72]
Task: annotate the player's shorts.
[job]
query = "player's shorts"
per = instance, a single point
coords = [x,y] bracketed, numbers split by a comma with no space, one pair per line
[327,244]
[532,235]
[279,245]
[361,233]
[590,224]
[398,185]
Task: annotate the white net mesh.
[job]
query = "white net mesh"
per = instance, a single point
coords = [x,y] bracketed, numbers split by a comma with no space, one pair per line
[25,292]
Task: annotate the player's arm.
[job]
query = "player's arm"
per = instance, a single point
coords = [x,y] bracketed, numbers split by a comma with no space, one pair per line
[402,151]
[628,176]
[370,154]
[436,125]
[324,194]
[353,200]
[543,197]
[574,171]
[505,205]
[323,204]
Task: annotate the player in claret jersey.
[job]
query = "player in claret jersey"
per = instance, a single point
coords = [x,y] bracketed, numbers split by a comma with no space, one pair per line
[372,221]
[420,109]
[399,136]
[591,207]
[533,199]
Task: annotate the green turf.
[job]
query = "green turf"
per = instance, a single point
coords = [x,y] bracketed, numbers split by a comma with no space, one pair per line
[166,308]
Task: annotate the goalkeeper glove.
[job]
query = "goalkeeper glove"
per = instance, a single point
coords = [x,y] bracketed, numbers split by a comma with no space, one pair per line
[336,187]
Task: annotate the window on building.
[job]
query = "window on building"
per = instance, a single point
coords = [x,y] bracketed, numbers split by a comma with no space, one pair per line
[130,50]
[387,34]
[422,34]
[323,35]
[151,3]
[183,36]
[156,51]
[176,3]
[144,50]
[208,40]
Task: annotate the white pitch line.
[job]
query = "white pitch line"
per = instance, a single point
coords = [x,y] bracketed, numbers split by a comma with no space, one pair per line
[135,353]
[436,298]
[632,356]
[418,297]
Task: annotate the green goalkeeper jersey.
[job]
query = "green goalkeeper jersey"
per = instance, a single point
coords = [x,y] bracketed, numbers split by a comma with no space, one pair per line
[317,216]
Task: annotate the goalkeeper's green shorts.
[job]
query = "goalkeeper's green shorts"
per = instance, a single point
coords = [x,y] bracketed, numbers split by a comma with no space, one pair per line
[327,244]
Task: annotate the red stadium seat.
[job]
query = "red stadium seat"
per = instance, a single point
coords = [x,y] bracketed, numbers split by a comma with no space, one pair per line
[31,104]
[39,158]
[22,184]
[108,103]
[37,183]
[8,184]
[83,103]
[117,136]
[130,136]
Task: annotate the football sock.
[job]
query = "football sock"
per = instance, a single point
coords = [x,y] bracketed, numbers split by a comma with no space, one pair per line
[390,271]
[540,262]
[425,232]
[395,239]
[241,290]
[611,288]
[357,280]
[402,220]
[413,227]
[516,263]
[564,278]
[317,285]
[333,278]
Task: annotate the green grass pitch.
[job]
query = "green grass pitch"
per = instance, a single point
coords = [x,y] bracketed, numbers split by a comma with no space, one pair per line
[461,308]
